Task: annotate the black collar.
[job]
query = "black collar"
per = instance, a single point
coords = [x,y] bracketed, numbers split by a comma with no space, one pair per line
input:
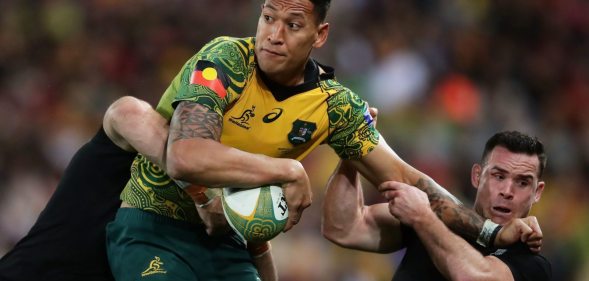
[312,77]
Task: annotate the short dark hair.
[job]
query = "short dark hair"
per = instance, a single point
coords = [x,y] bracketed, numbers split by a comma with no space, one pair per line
[321,7]
[517,142]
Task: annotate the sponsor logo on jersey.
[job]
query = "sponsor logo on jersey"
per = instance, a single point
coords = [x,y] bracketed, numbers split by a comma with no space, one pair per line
[211,76]
[243,120]
[301,132]
[155,267]
[272,116]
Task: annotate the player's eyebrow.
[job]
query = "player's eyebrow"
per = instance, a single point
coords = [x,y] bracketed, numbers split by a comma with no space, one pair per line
[499,169]
[525,177]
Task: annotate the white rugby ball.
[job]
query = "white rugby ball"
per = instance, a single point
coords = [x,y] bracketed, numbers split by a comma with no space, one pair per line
[257,214]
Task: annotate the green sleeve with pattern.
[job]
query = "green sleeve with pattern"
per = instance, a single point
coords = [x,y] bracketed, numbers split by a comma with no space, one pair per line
[214,77]
[353,132]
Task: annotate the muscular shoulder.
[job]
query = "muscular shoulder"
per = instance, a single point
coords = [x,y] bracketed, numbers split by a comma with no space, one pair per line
[234,55]
[341,97]
[215,76]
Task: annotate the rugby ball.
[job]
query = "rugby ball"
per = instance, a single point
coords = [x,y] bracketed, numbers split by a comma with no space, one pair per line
[257,214]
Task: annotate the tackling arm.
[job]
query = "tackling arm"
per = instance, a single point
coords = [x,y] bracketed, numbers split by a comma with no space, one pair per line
[383,164]
[452,255]
[455,258]
[347,222]
[134,126]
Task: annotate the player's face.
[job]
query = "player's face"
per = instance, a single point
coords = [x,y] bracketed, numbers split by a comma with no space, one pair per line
[287,32]
[507,185]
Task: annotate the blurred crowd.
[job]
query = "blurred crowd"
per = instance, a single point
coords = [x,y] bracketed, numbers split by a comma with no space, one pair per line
[445,75]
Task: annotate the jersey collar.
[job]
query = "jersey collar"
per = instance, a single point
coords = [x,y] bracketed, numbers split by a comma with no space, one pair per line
[314,73]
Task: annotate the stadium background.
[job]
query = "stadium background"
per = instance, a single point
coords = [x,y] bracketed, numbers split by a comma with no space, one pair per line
[445,75]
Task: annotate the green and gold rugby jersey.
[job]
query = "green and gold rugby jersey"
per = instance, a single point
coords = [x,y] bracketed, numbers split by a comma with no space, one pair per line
[258,117]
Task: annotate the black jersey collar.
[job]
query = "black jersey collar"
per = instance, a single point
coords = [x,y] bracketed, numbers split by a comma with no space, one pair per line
[312,77]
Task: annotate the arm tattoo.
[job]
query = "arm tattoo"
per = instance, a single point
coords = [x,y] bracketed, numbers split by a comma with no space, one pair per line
[193,120]
[463,221]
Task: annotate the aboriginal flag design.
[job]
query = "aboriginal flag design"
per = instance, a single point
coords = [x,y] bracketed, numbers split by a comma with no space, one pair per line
[211,76]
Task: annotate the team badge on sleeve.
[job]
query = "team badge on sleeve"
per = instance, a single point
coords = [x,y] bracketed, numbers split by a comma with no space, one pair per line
[211,76]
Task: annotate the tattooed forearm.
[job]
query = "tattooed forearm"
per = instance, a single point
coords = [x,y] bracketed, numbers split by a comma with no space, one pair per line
[463,221]
[193,120]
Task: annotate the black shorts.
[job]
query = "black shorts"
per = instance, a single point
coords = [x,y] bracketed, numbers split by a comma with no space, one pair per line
[68,240]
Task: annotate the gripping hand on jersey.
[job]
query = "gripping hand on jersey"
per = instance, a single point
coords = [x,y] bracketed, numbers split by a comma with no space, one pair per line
[526,230]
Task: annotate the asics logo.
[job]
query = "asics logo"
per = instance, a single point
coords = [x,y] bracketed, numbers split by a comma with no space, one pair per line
[272,116]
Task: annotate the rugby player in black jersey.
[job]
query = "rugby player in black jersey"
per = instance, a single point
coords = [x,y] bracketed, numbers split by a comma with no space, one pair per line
[508,183]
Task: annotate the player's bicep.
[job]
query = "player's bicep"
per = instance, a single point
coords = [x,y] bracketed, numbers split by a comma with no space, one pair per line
[374,230]
[499,269]
[194,120]
[195,131]
[382,229]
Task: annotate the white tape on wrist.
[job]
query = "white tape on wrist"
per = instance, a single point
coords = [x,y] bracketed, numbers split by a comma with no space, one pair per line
[206,203]
[182,184]
[210,194]
[486,234]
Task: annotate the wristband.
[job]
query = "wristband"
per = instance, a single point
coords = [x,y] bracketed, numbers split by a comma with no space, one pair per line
[206,203]
[494,235]
[182,184]
[202,196]
[258,250]
[488,233]
[205,198]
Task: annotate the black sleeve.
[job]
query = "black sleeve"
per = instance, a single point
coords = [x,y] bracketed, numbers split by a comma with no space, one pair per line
[526,266]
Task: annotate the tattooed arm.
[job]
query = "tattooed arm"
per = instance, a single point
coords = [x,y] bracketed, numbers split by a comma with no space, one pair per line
[195,155]
[383,164]
[453,256]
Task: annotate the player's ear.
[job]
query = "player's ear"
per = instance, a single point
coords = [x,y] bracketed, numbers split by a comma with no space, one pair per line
[539,190]
[475,175]
[322,32]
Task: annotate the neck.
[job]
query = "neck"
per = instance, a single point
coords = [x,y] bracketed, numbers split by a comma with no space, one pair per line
[289,78]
